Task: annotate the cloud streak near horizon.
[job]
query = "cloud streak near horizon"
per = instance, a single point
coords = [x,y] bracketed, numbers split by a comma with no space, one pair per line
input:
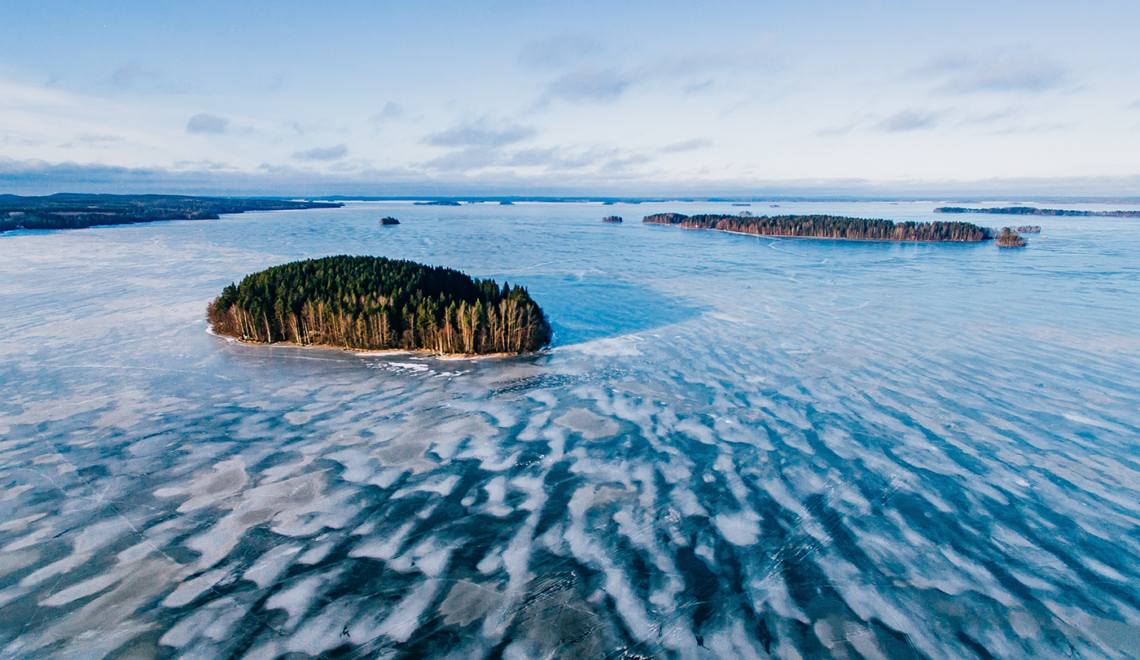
[479,133]
[214,178]
[335,152]
[908,120]
[1002,74]
[733,94]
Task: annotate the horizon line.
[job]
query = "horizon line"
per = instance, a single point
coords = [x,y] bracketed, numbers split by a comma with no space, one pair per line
[620,199]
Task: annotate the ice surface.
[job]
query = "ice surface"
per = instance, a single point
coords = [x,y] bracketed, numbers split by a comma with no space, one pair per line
[738,448]
[296,599]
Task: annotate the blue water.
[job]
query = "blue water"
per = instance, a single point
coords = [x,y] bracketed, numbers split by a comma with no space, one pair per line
[736,447]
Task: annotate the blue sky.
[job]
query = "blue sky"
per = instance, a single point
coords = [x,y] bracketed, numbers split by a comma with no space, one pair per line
[652,98]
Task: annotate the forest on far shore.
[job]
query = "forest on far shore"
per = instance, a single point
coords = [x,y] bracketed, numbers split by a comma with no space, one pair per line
[1032,210]
[79,211]
[373,303]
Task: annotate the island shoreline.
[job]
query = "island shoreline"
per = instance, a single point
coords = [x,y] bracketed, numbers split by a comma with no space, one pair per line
[828,226]
[816,238]
[378,351]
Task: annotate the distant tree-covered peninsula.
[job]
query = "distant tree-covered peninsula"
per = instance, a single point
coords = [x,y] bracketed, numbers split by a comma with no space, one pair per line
[1030,210]
[373,303]
[73,211]
[828,226]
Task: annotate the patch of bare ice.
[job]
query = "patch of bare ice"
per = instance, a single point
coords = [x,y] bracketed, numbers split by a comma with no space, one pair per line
[590,425]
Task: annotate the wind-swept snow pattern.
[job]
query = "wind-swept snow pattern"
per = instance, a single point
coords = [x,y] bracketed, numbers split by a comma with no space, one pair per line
[738,447]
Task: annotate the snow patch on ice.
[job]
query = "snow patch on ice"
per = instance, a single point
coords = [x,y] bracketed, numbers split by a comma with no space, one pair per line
[741,528]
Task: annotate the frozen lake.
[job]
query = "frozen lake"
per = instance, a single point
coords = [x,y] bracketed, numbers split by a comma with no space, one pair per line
[737,446]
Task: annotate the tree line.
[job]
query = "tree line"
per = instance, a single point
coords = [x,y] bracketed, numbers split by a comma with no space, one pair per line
[1030,210]
[374,303]
[828,226]
[78,211]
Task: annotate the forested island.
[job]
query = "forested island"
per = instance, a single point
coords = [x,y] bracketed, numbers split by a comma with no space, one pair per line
[828,226]
[1010,239]
[388,221]
[440,202]
[373,303]
[75,211]
[1029,210]
[612,218]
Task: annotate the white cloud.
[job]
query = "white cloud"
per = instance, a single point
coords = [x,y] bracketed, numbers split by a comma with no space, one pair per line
[134,75]
[586,86]
[835,131]
[206,123]
[480,133]
[335,152]
[391,110]
[908,120]
[559,50]
[999,72]
[687,145]
[463,160]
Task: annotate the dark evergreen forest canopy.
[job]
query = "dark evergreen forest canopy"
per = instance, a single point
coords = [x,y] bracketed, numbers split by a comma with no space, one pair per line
[374,303]
[1030,210]
[828,226]
[73,211]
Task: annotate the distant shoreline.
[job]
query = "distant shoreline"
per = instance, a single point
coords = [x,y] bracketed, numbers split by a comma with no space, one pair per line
[70,211]
[688,199]
[1031,210]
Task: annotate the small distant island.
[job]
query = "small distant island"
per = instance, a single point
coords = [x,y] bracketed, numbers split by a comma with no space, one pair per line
[373,303]
[75,211]
[439,202]
[828,226]
[1010,239]
[1029,210]
[612,218]
[1028,229]
[388,221]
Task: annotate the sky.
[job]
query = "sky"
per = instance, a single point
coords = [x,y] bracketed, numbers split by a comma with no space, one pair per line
[590,98]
